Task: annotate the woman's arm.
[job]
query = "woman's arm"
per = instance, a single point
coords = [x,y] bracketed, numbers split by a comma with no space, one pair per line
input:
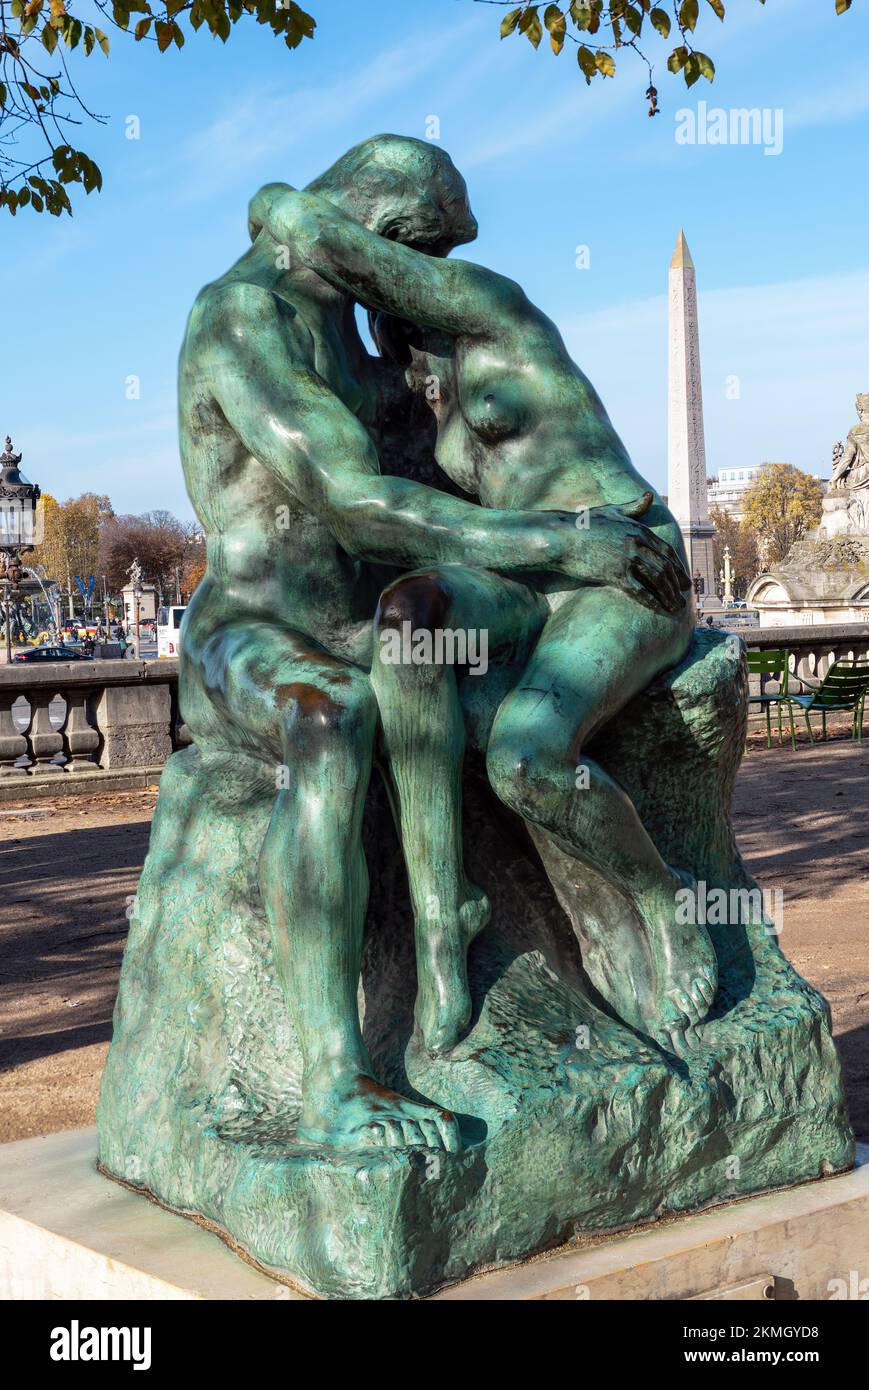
[455,296]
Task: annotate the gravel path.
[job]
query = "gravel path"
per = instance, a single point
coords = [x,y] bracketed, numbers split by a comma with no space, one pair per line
[68,869]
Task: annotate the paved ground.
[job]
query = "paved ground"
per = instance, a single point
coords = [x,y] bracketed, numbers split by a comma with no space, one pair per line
[68,868]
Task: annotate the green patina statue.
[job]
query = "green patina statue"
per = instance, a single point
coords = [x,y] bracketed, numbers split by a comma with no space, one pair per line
[366,1109]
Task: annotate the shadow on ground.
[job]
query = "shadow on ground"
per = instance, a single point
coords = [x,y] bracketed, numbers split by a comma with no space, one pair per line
[66,879]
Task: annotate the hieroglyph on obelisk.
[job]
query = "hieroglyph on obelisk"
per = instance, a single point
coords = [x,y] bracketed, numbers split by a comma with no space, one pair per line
[686,445]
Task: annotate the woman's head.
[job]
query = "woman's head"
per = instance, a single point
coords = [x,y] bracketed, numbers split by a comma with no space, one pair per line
[404,189]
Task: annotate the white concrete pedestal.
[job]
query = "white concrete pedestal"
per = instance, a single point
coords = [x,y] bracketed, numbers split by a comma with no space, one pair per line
[68,1233]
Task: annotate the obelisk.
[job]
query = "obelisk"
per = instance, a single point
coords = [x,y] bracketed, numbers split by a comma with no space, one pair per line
[686,445]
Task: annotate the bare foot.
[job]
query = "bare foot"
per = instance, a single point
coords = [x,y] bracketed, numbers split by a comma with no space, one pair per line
[443,1001]
[352,1111]
[685,965]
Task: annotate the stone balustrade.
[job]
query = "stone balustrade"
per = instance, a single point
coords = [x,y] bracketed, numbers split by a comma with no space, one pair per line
[119,721]
[813,649]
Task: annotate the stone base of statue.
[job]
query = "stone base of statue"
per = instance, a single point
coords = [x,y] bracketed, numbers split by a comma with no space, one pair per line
[571,1122]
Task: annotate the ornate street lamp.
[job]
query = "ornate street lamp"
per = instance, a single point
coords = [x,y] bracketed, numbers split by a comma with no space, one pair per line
[20,531]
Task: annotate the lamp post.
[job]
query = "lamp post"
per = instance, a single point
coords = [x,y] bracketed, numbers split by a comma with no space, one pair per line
[19,520]
[727,576]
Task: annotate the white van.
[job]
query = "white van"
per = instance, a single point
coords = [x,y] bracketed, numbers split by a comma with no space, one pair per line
[168,623]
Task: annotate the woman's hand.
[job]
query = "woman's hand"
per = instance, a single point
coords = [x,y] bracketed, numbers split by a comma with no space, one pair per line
[614,547]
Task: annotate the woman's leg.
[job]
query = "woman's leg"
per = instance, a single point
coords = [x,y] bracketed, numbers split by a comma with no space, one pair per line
[597,652]
[474,623]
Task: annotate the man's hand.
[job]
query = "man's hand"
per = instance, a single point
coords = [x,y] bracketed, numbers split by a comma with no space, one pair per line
[616,548]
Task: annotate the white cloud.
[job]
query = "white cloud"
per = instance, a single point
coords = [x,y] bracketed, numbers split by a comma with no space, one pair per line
[269,123]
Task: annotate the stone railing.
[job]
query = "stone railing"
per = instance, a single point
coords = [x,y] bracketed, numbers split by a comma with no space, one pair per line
[116,722]
[813,650]
[110,720]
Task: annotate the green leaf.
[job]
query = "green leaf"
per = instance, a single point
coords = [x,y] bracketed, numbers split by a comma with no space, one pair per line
[691,71]
[142,28]
[842,6]
[509,22]
[707,67]
[164,35]
[689,13]
[557,25]
[89,40]
[49,38]
[633,19]
[677,59]
[718,7]
[585,58]
[102,40]
[605,63]
[661,21]
[3,94]
[530,26]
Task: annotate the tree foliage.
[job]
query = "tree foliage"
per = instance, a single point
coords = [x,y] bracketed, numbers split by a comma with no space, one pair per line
[71,538]
[160,543]
[40,104]
[84,537]
[598,30]
[781,506]
[741,537]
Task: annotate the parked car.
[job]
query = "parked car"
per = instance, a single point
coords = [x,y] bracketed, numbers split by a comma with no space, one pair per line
[54,653]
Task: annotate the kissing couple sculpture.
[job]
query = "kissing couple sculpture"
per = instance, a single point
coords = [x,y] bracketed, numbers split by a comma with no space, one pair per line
[551,1001]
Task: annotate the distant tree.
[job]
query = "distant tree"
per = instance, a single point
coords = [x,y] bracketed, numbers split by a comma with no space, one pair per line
[71,538]
[781,506]
[193,568]
[157,539]
[742,539]
[40,105]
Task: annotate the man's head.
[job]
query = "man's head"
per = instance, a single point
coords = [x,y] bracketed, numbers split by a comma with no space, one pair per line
[404,189]
[863,407]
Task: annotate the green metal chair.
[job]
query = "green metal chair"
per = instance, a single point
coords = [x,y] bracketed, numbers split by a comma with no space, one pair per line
[842,688]
[775,665]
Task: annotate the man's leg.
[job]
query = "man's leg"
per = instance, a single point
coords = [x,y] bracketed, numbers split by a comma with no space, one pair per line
[314,719]
[598,651]
[424,732]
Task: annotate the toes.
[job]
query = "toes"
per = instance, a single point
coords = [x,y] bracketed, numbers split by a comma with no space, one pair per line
[374,1134]
[392,1135]
[412,1135]
[448,1129]
[431,1134]
[701,1000]
[674,1040]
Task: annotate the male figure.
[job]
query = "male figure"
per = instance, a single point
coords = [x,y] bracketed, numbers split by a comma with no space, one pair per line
[275,390]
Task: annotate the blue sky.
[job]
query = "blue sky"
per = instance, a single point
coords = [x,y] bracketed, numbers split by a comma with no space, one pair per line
[780,243]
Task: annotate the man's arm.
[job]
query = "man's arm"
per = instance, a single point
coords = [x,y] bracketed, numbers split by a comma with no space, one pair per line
[455,296]
[288,418]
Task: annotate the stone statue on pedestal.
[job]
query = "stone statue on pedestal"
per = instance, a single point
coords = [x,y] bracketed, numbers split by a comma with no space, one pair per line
[851,469]
[421,975]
